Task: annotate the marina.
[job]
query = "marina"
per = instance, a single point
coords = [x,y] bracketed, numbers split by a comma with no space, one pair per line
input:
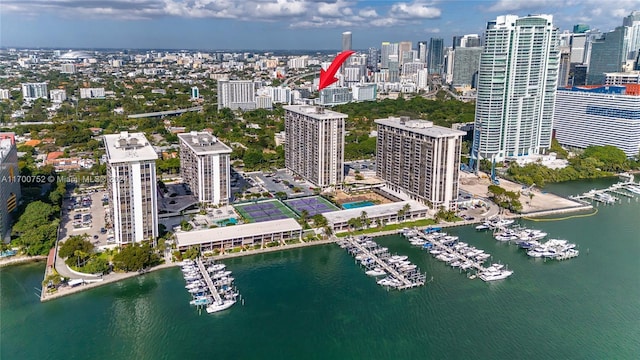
[400,273]
[626,189]
[210,285]
[457,254]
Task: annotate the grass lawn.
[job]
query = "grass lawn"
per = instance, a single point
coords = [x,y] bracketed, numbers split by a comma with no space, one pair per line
[417,223]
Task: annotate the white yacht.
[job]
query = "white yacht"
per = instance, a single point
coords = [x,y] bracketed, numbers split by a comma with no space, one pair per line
[376,272]
[219,306]
[495,275]
[397,258]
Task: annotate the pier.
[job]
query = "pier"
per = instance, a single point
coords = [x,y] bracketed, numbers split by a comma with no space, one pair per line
[207,279]
[406,283]
[602,196]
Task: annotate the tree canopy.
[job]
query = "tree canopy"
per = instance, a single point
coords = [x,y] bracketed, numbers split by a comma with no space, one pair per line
[135,257]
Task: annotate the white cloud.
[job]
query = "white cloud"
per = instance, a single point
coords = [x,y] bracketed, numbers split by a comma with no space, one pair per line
[299,13]
[415,10]
[368,13]
[515,5]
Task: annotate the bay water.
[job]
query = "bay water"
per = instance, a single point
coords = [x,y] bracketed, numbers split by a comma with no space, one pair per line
[317,303]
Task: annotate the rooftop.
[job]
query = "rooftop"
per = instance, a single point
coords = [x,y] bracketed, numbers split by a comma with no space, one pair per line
[235,232]
[624,89]
[374,211]
[6,142]
[128,147]
[203,143]
[420,127]
[316,112]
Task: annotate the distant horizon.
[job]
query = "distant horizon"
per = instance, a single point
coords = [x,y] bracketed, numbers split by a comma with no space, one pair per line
[273,24]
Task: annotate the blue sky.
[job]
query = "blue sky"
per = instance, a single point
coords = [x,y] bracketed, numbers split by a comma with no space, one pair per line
[273,24]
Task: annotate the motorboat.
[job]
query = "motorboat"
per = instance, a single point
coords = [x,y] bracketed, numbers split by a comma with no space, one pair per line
[216,267]
[495,275]
[220,305]
[220,274]
[196,290]
[397,258]
[202,300]
[376,272]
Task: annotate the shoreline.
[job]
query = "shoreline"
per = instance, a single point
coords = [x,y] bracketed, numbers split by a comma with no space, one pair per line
[21,259]
[122,276]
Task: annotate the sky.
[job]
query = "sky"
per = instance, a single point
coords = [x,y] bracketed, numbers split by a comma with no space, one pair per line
[274,24]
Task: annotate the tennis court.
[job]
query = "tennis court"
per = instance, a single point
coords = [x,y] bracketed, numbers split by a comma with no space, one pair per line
[264,211]
[313,205]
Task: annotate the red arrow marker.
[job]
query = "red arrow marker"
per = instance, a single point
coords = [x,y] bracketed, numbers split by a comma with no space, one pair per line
[328,77]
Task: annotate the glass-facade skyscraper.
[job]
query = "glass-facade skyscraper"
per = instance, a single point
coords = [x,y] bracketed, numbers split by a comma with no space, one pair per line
[435,61]
[517,83]
[607,55]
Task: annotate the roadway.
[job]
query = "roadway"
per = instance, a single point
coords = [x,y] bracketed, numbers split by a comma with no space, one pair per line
[298,77]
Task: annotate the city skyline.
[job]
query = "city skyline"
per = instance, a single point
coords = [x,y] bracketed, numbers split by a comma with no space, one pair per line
[287,24]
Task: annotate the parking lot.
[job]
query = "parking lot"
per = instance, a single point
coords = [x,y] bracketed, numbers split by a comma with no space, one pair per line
[280,181]
[84,214]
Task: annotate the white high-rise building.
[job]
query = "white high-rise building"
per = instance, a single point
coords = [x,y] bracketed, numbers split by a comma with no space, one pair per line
[281,95]
[298,63]
[236,94]
[57,95]
[5,94]
[423,79]
[195,93]
[364,92]
[132,187]
[517,83]
[205,166]
[33,91]
[68,69]
[346,40]
[607,115]
[420,159]
[314,146]
[92,93]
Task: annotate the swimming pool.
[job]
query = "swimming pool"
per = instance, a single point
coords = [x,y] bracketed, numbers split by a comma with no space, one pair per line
[357,204]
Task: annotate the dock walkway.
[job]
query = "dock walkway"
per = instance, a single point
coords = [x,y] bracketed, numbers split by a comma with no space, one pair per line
[406,283]
[207,279]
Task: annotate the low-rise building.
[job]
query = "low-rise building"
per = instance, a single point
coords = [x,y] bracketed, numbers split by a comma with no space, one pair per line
[229,237]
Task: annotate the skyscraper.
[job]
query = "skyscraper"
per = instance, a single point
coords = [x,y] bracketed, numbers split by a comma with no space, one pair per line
[404,52]
[346,41]
[436,56]
[195,93]
[10,188]
[132,187]
[422,51]
[607,55]
[386,50]
[465,66]
[419,158]
[580,28]
[632,43]
[205,166]
[314,147]
[373,59]
[517,83]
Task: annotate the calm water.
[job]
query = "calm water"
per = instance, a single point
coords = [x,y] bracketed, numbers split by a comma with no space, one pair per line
[316,303]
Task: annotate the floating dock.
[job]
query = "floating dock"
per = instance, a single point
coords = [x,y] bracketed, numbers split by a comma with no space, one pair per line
[381,259]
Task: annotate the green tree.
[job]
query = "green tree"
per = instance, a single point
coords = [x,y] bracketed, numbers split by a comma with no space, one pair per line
[76,249]
[36,214]
[135,257]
